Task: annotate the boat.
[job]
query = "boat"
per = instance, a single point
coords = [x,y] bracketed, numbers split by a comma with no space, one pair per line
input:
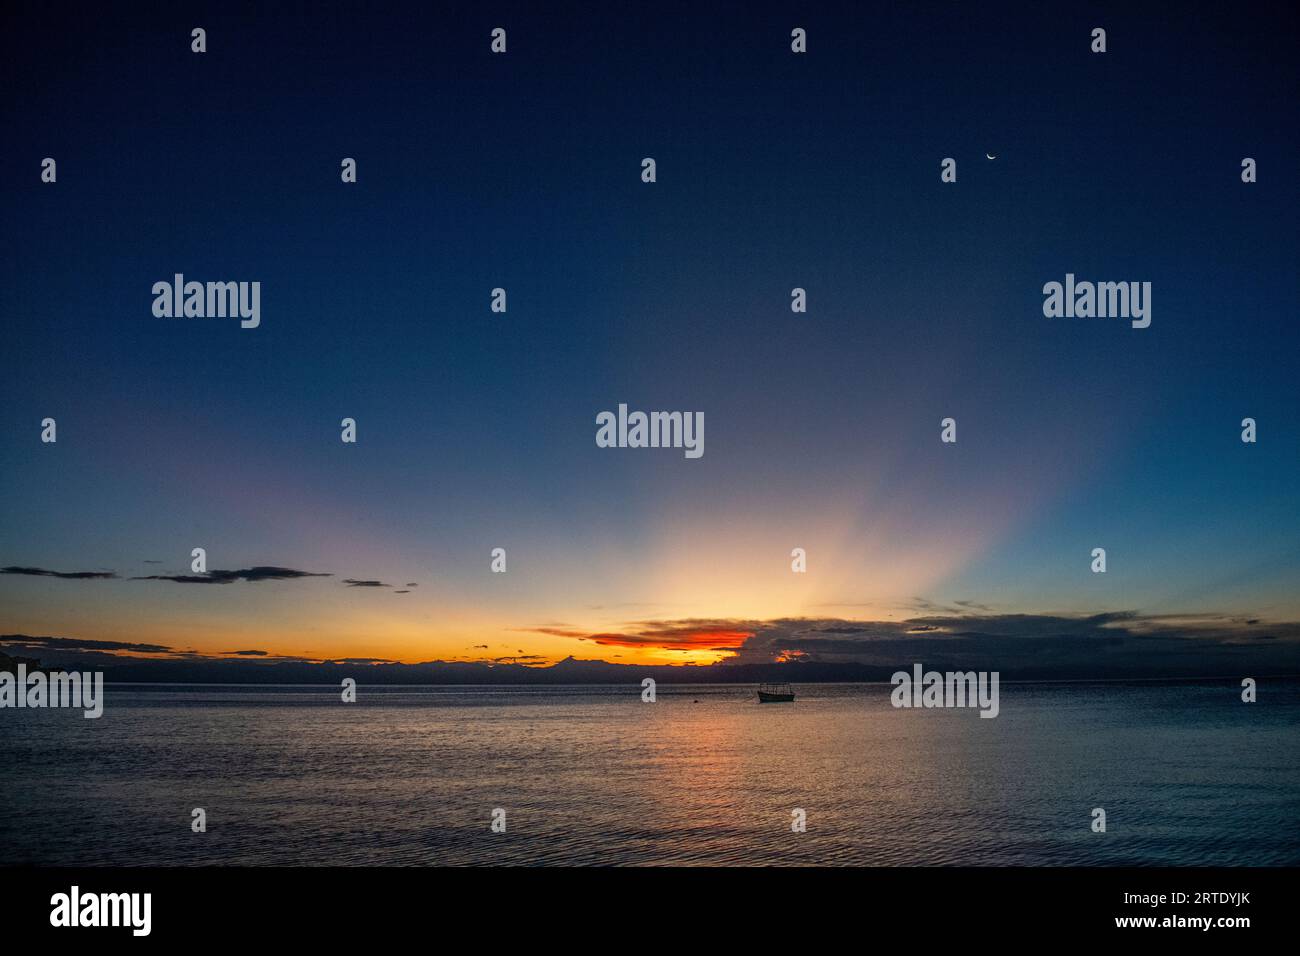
[775,693]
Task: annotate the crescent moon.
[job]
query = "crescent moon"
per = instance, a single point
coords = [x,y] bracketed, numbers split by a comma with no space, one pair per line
[990,156]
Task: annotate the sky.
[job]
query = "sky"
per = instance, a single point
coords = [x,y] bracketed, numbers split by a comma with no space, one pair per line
[476,430]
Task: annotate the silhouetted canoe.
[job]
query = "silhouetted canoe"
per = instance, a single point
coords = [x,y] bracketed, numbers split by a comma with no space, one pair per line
[775,693]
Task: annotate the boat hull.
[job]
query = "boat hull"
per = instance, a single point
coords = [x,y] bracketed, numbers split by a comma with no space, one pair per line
[764,697]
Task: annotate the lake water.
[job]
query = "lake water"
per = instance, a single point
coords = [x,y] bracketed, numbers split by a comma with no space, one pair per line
[1187,774]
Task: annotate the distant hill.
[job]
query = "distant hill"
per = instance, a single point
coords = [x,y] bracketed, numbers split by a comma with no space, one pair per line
[568,671]
[1268,660]
[10,664]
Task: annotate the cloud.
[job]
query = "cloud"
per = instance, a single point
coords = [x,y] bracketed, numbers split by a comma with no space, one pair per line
[685,635]
[71,575]
[77,644]
[78,653]
[402,591]
[259,573]
[1120,642]
[1117,644]
[1125,641]
[956,609]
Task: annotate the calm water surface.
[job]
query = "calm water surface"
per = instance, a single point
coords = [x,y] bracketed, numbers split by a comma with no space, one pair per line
[1187,775]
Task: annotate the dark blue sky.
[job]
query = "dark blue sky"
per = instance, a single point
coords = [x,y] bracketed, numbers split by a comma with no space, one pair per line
[775,170]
